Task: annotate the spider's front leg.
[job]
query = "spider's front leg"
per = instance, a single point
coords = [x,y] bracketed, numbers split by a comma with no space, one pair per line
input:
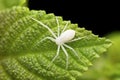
[50,38]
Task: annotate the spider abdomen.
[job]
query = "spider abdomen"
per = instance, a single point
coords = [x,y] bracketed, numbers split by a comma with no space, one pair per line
[65,37]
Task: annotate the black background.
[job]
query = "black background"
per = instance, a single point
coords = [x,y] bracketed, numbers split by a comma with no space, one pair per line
[99,16]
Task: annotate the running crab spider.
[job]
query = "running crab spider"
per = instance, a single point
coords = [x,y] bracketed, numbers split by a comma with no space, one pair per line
[60,39]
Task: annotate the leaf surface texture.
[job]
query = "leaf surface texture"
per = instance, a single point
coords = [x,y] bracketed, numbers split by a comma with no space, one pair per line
[24,57]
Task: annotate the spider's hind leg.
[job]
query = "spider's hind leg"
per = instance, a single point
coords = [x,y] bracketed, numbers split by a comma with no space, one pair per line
[76,39]
[72,50]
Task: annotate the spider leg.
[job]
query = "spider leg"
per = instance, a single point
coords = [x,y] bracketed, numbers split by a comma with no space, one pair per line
[75,39]
[45,27]
[58,25]
[72,50]
[65,27]
[66,55]
[50,38]
[58,50]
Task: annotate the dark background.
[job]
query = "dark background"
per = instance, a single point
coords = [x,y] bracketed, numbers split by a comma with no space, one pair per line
[100,17]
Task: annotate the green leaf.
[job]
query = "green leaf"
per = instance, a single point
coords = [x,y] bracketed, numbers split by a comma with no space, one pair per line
[114,51]
[10,3]
[24,57]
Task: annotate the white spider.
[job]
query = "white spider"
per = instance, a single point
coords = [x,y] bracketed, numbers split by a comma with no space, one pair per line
[65,37]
